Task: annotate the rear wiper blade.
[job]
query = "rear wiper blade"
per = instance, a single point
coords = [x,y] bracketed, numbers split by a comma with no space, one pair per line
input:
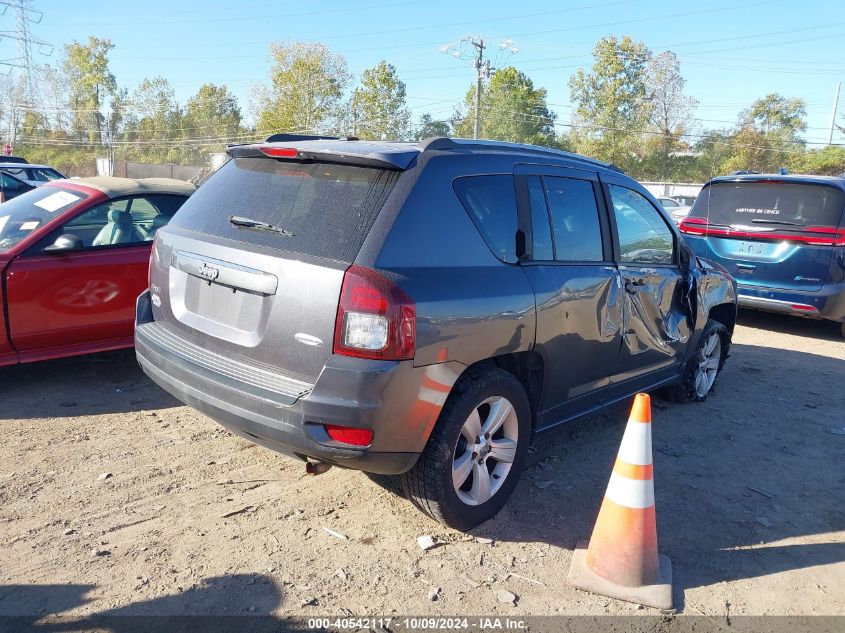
[783,222]
[249,223]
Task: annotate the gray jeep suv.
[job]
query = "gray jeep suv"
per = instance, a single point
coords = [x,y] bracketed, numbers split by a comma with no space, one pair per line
[419,311]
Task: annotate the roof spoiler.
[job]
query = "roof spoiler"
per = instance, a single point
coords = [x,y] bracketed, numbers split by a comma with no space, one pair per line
[288,138]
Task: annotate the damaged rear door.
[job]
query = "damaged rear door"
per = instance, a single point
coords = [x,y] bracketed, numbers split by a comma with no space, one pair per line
[656,327]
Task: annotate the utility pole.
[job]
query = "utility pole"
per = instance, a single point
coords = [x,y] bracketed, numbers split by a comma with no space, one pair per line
[833,114]
[483,67]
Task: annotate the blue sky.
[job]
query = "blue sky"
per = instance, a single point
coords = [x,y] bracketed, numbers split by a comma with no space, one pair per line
[731,52]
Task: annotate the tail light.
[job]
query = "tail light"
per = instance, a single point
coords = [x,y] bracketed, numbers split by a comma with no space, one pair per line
[349,435]
[150,265]
[375,319]
[810,235]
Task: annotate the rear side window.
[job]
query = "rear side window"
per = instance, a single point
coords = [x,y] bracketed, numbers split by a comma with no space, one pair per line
[575,219]
[328,208]
[789,206]
[491,203]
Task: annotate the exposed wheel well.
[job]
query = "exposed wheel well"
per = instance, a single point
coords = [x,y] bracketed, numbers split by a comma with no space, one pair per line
[724,313]
[528,368]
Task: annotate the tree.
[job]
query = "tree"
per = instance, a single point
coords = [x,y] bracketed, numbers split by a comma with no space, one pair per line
[428,128]
[378,105]
[828,161]
[155,121]
[768,134]
[213,117]
[670,112]
[611,102]
[91,83]
[512,109]
[307,83]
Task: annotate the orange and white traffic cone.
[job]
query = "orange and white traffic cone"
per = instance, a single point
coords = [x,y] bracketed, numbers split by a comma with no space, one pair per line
[621,560]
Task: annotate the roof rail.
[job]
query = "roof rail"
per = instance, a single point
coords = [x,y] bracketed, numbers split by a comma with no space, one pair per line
[286,138]
[443,142]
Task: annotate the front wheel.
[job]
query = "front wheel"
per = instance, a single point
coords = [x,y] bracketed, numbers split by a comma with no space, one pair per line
[476,451]
[704,366]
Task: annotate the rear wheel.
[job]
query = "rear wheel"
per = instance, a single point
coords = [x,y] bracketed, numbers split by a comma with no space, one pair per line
[473,458]
[704,366]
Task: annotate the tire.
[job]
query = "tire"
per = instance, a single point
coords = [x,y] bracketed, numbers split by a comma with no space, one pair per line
[693,387]
[483,396]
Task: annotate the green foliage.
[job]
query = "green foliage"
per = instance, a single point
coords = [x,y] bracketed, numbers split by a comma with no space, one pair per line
[307,85]
[378,105]
[512,109]
[611,102]
[829,161]
[91,82]
[429,128]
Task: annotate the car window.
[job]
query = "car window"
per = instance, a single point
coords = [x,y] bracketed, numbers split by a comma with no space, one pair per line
[327,209]
[644,236]
[20,174]
[542,248]
[668,202]
[9,182]
[107,224]
[43,174]
[575,219]
[491,203]
[29,211]
[788,206]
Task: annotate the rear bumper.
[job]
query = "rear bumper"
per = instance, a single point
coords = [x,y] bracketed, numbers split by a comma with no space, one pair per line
[393,399]
[827,303]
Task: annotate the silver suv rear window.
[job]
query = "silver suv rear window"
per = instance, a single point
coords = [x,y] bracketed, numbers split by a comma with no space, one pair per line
[329,208]
[788,206]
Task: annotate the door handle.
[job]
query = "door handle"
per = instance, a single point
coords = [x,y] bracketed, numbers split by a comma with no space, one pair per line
[633,286]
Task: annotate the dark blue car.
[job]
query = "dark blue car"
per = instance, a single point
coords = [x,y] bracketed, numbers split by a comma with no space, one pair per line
[781,237]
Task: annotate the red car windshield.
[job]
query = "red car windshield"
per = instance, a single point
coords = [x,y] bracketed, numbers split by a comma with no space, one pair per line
[20,216]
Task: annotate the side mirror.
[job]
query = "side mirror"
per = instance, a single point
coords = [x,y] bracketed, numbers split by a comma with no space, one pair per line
[66,242]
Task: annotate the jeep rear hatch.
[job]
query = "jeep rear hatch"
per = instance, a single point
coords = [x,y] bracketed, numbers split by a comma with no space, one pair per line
[250,269]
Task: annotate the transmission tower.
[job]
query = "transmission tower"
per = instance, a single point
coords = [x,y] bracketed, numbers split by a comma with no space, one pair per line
[481,62]
[25,15]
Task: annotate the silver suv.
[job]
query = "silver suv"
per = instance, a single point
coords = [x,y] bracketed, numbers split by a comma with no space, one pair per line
[419,311]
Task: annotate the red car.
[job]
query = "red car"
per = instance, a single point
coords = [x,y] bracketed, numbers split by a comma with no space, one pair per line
[74,256]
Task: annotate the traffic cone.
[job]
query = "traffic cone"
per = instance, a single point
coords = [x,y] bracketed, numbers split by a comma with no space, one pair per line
[621,560]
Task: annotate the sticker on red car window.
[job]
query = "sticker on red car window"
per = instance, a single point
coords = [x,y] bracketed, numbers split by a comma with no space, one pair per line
[30,226]
[56,201]
[3,221]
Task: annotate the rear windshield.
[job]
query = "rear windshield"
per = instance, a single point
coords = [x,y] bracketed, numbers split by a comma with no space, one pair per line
[22,215]
[327,208]
[787,205]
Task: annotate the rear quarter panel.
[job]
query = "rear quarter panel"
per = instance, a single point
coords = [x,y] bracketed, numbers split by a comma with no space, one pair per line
[470,305]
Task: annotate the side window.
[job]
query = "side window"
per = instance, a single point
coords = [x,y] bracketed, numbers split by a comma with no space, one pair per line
[150,213]
[491,203]
[575,219]
[542,249]
[9,182]
[644,237]
[107,224]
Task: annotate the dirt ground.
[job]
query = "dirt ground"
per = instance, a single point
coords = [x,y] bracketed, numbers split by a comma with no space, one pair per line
[114,499]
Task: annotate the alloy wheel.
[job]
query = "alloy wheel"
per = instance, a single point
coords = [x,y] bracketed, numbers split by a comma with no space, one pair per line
[708,364]
[485,450]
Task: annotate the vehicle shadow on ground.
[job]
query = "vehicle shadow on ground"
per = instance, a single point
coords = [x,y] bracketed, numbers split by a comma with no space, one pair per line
[239,602]
[736,477]
[795,326]
[110,382]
